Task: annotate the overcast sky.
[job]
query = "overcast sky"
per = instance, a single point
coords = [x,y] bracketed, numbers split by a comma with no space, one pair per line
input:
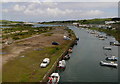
[35,10]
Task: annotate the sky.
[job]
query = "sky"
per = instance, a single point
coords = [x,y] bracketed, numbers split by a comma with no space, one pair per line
[56,10]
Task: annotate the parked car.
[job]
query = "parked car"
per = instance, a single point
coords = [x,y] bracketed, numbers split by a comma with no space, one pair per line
[45,62]
[55,43]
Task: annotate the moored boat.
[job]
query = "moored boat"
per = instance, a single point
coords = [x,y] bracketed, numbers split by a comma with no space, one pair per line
[54,78]
[62,64]
[112,43]
[92,32]
[77,38]
[117,44]
[70,50]
[111,64]
[75,42]
[66,57]
[107,48]
[113,58]
[101,38]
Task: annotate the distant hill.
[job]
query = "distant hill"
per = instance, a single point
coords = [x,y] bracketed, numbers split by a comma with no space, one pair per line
[85,21]
[95,21]
[8,22]
[115,19]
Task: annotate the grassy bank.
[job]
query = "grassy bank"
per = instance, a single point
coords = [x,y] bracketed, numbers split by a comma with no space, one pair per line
[115,33]
[25,67]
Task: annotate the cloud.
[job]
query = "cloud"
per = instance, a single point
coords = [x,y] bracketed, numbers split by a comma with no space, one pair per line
[60,0]
[5,10]
[19,8]
[56,12]
[51,10]
[45,11]
[94,13]
[20,1]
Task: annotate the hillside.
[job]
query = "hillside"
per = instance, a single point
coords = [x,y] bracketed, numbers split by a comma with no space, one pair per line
[85,21]
[8,22]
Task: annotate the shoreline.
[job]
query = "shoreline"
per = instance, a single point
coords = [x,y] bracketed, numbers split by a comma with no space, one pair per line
[114,33]
[58,56]
[53,68]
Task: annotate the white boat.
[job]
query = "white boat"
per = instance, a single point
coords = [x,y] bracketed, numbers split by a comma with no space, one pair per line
[117,44]
[45,62]
[92,32]
[54,78]
[66,57]
[107,48]
[112,43]
[102,38]
[111,64]
[96,35]
[62,64]
[105,37]
[113,58]
[70,50]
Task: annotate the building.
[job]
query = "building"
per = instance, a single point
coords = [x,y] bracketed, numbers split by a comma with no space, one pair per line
[109,22]
[76,24]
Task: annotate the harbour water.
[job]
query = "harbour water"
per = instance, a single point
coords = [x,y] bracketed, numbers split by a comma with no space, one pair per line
[83,66]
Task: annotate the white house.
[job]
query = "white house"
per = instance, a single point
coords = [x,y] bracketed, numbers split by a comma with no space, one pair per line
[109,22]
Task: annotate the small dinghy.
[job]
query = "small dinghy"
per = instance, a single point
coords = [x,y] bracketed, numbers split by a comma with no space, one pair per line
[62,64]
[117,44]
[66,57]
[111,64]
[107,48]
[77,38]
[70,50]
[92,32]
[54,78]
[113,58]
[101,38]
[75,42]
[112,43]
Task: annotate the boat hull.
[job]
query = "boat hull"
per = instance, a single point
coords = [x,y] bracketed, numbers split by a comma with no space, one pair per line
[108,64]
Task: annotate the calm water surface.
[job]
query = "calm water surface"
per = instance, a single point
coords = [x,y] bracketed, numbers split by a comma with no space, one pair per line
[83,65]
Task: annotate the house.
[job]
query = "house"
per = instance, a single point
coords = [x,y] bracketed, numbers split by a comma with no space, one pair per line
[109,22]
[76,24]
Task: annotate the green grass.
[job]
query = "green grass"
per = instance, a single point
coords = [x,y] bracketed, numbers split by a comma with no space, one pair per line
[26,69]
[22,35]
